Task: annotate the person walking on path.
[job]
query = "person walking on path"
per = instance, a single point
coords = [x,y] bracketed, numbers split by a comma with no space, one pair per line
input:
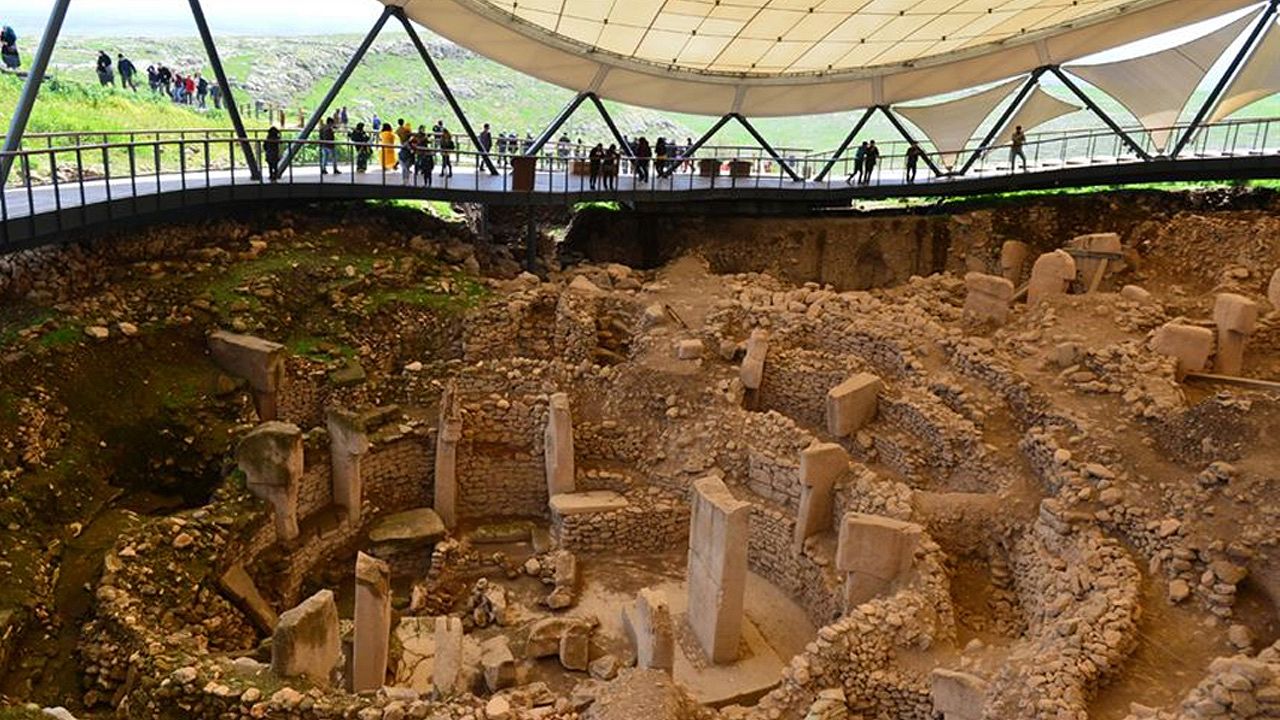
[1015,150]
[859,159]
[609,167]
[271,150]
[914,153]
[215,94]
[363,151]
[328,149]
[387,141]
[9,48]
[424,155]
[447,146]
[106,76]
[127,70]
[202,89]
[595,159]
[486,139]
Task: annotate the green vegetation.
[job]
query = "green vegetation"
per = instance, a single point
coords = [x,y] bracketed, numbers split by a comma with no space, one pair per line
[65,335]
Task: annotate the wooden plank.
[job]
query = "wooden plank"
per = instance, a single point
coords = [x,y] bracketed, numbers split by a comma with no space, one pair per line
[1093,254]
[1233,380]
[1022,291]
[1097,276]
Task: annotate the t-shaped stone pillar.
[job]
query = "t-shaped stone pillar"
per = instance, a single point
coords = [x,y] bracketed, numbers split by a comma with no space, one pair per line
[717,568]
[305,641]
[821,464]
[852,404]
[448,433]
[988,297]
[1051,275]
[1013,255]
[260,362]
[348,442]
[373,623]
[648,622]
[1235,316]
[271,458]
[559,446]
[875,551]
[752,370]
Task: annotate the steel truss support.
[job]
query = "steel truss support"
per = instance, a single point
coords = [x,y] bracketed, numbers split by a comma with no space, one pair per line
[563,116]
[329,97]
[233,110]
[755,135]
[844,144]
[1102,115]
[906,135]
[1237,62]
[444,89]
[1004,118]
[35,76]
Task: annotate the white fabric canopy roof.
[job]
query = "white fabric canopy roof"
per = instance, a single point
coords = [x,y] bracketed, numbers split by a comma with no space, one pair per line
[1257,80]
[1039,108]
[792,57]
[950,124]
[1156,87]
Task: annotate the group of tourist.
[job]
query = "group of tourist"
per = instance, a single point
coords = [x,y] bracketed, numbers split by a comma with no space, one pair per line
[190,89]
[9,48]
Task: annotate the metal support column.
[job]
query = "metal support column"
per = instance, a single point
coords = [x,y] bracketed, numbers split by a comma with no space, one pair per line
[444,90]
[906,135]
[560,119]
[844,144]
[296,145]
[705,137]
[608,121]
[1236,63]
[233,110]
[1102,115]
[35,76]
[764,144]
[1004,118]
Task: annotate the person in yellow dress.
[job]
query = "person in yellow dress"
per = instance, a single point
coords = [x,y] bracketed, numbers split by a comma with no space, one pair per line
[387,139]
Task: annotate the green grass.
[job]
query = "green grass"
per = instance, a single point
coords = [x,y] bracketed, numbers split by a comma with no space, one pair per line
[319,349]
[65,335]
[463,294]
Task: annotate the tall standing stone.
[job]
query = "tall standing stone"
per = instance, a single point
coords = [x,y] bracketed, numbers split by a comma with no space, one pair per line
[1190,345]
[648,622]
[559,446]
[852,404]
[1235,316]
[373,623]
[449,432]
[988,297]
[305,642]
[752,370]
[1051,275]
[875,551]
[259,362]
[446,675]
[271,458]
[1273,290]
[717,568]
[1013,256]
[348,442]
[821,464]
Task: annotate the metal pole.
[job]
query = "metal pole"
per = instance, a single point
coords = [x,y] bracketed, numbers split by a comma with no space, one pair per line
[564,115]
[844,145]
[232,109]
[767,147]
[706,136]
[1093,106]
[444,89]
[35,76]
[906,135]
[329,97]
[1212,101]
[608,120]
[1004,118]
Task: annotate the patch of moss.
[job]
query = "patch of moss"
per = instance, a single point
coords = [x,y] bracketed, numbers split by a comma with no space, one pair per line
[65,335]
[318,349]
[464,293]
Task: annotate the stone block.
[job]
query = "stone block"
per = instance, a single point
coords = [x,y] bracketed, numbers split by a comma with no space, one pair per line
[271,458]
[448,433]
[348,442]
[498,663]
[717,568]
[821,464]
[371,643]
[957,695]
[259,362]
[1136,294]
[558,449]
[752,370]
[648,622]
[242,591]
[988,297]
[852,404]
[1087,267]
[575,647]
[582,284]
[1190,345]
[689,349]
[1235,312]
[1273,290]
[544,636]
[305,642]
[1013,256]
[1051,275]
[420,526]
[589,502]
[877,546]
[447,673]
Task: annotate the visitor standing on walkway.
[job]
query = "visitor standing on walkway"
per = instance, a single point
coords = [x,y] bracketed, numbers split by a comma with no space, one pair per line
[447,147]
[328,149]
[406,160]
[660,151]
[859,158]
[609,167]
[869,163]
[595,159]
[387,141]
[202,89]
[914,153]
[363,151]
[106,76]
[127,70]
[486,140]
[1015,152]
[642,153]
[271,150]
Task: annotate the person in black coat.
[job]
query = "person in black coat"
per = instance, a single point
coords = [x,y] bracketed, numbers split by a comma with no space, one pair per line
[271,150]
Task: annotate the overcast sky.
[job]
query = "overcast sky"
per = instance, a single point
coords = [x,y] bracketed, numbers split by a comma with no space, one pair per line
[173,17]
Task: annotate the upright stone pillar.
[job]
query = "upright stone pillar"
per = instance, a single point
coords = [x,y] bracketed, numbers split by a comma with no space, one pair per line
[988,297]
[1235,316]
[305,642]
[821,464]
[348,442]
[1189,344]
[852,404]
[1051,275]
[373,623]
[875,551]
[1089,267]
[271,458]
[449,432]
[752,370]
[1273,290]
[447,672]
[259,362]
[559,446]
[648,622]
[1013,256]
[717,568]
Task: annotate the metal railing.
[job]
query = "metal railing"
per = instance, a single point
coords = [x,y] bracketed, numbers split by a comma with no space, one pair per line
[56,179]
